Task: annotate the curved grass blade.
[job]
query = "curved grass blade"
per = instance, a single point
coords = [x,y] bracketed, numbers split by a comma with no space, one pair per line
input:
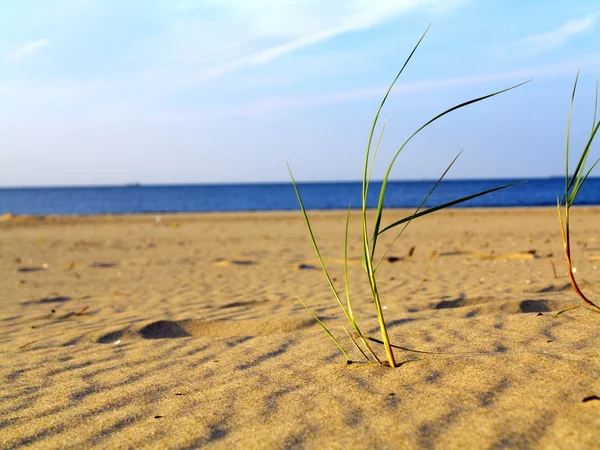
[578,175]
[567,185]
[374,125]
[316,247]
[595,107]
[326,330]
[572,189]
[565,310]
[578,178]
[322,263]
[418,209]
[405,348]
[346,283]
[447,205]
[356,345]
[576,189]
[379,213]
[375,153]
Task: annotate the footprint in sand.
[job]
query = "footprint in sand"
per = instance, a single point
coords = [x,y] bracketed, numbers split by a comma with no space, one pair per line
[29,269]
[222,262]
[103,265]
[171,329]
[491,305]
[563,287]
[57,299]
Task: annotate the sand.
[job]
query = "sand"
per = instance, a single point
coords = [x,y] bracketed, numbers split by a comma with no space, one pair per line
[183,331]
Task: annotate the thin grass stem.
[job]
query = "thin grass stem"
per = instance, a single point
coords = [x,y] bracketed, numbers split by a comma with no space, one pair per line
[572,188]
[339,346]
[379,213]
[369,240]
[418,209]
[320,258]
[356,345]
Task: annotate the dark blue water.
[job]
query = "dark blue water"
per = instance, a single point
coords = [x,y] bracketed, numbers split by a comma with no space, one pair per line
[277,197]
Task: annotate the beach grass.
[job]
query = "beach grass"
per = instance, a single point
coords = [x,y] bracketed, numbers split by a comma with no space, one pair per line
[573,185]
[371,234]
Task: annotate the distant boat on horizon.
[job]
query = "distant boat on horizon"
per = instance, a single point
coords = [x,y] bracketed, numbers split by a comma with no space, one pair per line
[136,184]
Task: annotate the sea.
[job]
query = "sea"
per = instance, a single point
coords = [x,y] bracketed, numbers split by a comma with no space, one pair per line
[281,196]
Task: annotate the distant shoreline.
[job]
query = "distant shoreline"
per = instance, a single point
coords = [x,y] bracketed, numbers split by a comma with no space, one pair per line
[277,183]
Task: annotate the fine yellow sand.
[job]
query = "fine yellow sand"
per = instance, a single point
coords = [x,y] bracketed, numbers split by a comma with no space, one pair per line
[184,332]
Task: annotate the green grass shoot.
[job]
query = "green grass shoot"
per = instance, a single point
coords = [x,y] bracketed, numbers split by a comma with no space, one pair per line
[370,235]
[572,186]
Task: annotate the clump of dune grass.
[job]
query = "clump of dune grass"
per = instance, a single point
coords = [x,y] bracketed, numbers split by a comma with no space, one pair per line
[572,186]
[371,234]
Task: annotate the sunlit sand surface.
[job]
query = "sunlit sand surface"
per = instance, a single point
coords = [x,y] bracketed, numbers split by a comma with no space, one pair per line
[128,332]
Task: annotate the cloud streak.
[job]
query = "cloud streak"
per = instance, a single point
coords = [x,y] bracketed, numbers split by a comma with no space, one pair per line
[560,35]
[27,50]
[359,15]
[515,76]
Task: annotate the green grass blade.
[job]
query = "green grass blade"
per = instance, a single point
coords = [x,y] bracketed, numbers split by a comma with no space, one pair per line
[375,153]
[346,283]
[379,213]
[583,159]
[316,247]
[578,186]
[578,176]
[559,313]
[567,184]
[366,178]
[406,349]
[322,263]
[595,107]
[356,345]
[374,125]
[326,330]
[447,205]
[418,209]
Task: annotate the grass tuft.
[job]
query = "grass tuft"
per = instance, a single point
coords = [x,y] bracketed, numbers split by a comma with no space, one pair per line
[370,235]
[572,186]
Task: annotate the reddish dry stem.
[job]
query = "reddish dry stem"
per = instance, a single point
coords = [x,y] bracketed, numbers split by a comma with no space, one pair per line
[564,229]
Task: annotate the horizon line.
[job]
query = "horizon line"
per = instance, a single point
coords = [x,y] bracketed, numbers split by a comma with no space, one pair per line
[133,185]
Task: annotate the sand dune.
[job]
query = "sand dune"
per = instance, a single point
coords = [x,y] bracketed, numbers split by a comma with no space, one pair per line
[128,332]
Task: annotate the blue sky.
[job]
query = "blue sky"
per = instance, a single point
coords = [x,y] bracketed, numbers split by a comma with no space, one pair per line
[109,92]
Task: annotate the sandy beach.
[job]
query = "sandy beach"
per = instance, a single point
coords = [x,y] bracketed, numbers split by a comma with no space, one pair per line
[183,331]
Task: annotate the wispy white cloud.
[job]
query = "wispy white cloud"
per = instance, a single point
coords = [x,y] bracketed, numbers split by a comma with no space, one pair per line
[27,50]
[562,34]
[263,31]
[515,76]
